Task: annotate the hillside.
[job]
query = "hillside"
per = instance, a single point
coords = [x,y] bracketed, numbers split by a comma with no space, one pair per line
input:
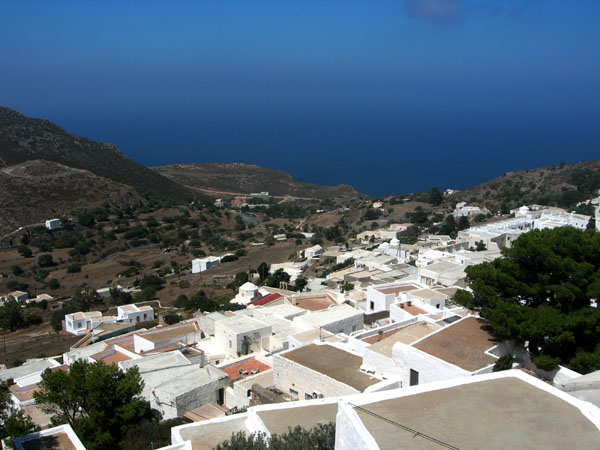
[34,191]
[246,178]
[24,139]
[562,185]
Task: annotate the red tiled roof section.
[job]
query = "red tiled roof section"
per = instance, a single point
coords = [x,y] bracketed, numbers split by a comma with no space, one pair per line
[266,299]
[462,344]
[247,365]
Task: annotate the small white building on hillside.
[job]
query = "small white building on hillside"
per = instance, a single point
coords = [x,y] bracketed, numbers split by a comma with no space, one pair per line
[80,323]
[53,224]
[202,264]
[135,314]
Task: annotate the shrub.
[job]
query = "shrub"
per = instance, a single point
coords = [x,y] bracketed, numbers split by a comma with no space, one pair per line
[504,363]
[24,251]
[45,260]
[74,268]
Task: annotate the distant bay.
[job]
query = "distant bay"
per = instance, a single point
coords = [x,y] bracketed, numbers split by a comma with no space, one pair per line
[378,153]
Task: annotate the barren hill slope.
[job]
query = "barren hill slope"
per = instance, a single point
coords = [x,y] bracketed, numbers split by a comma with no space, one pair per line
[34,191]
[563,184]
[24,139]
[246,178]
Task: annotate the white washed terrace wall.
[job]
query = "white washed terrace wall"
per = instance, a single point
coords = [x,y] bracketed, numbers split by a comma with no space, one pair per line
[290,375]
[350,431]
[238,395]
[429,367]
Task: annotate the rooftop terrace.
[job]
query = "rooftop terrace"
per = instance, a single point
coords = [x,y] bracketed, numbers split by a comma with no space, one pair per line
[462,344]
[333,362]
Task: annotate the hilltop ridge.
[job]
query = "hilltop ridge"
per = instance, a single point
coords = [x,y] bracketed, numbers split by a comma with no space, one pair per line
[24,139]
[247,178]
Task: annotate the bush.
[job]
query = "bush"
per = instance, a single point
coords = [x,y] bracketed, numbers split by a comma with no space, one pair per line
[504,363]
[74,268]
[52,283]
[16,270]
[229,258]
[45,260]
[146,294]
[171,319]
[546,362]
[184,284]
[24,251]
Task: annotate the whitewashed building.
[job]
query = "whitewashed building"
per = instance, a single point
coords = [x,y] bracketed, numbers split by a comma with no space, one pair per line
[135,314]
[202,264]
[53,224]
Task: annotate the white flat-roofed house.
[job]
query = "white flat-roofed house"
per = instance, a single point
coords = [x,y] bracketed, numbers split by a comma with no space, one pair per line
[294,269]
[185,332]
[461,349]
[79,323]
[135,314]
[320,370]
[446,273]
[240,335]
[17,296]
[175,386]
[466,413]
[313,252]
[336,319]
[202,264]
[381,296]
[53,224]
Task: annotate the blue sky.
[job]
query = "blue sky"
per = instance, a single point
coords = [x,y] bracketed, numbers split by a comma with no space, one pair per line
[390,96]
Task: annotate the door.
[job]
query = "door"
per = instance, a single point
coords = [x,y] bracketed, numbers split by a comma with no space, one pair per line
[414,377]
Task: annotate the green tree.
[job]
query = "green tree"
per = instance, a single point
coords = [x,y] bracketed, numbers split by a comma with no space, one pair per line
[263,270]
[99,401]
[24,251]
[371,214]
[11,316]
[540,293]
[463,223]
[85,297]
[435,196]
[277,278]
[119,297]
[300,284]
[16,270]
[45,260]
[85,219]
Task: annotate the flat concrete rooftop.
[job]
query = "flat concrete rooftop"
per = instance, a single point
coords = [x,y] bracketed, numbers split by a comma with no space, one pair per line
[333,362]
[494,414]
[397,289]
[278,420]
[407,335]
[211,435]
[462,344]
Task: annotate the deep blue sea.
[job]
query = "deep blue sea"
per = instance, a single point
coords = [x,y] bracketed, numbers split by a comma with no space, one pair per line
[377,153]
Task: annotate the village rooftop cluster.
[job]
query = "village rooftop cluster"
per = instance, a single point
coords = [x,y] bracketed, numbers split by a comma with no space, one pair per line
[376,343]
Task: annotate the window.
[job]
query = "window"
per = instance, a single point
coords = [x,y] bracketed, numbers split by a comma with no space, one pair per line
[414,377]
[294,393]
[145,317]
[353,327]
[249,393]
[372,306]
[230,344]
[308,397]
